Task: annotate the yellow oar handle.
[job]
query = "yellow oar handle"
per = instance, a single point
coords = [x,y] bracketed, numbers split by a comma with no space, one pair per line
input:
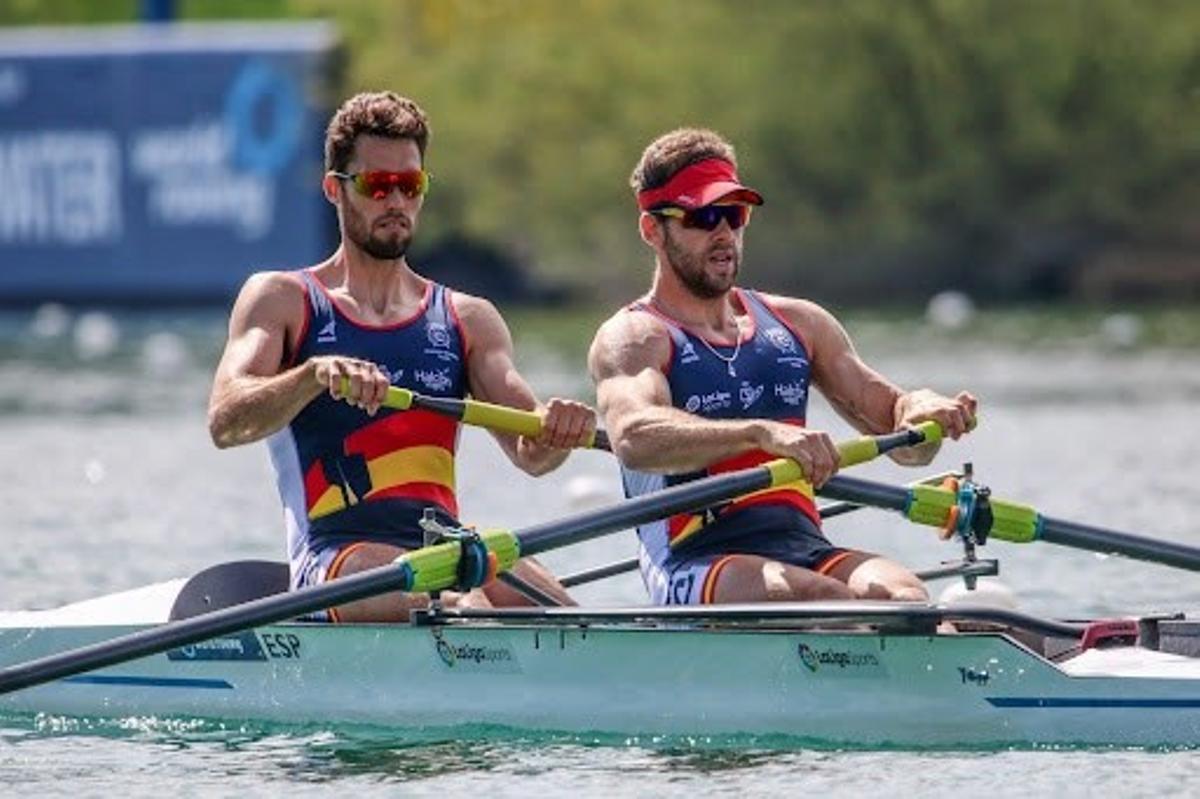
[488,415]
[866,448]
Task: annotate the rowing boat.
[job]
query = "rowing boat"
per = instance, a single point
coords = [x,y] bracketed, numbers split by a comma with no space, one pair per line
[856,673]
[224,644]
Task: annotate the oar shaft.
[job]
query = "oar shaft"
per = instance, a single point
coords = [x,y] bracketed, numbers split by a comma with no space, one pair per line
[1012,521]
[696,495]
[1099,539]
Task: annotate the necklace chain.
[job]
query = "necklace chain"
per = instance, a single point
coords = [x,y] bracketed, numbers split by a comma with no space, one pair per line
[737,348]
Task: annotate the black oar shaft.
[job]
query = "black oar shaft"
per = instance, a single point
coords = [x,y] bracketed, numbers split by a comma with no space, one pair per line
[691,497]
[1099,539]
[865,492]
[1049,530]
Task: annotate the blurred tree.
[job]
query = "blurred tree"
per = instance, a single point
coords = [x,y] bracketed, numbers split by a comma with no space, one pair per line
[998,146]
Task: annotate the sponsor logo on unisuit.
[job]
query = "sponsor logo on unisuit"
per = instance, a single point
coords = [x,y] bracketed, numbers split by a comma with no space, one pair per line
[434,380]
[713,401]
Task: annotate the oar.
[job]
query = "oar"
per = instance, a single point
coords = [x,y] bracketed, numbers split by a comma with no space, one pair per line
[1011,521]
[499,418]
[433,568]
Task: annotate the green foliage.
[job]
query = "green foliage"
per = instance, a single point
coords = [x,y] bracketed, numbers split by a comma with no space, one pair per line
[904,147]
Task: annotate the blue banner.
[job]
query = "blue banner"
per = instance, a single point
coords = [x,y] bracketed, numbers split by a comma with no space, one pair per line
[160,163]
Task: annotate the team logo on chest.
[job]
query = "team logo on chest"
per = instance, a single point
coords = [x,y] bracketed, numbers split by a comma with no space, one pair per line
[782,340]
[687,353]
[749,394]
[439,342]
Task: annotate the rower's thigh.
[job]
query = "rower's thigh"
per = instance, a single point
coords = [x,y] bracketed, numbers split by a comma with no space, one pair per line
[750,578]
[875,577]
[362,556]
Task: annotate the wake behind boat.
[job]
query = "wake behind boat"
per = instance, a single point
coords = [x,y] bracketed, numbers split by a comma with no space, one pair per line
[857,673]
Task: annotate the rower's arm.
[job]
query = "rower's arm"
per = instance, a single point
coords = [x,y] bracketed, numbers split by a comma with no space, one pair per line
[627,359]
[493,377]
[862,396]
[251,398]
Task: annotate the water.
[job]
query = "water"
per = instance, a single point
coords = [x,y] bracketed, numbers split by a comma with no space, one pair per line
[110,481]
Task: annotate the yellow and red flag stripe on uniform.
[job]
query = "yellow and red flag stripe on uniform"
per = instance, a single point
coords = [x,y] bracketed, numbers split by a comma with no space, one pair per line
[409,455]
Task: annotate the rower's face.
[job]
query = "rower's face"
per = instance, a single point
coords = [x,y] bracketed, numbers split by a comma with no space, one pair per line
[705,261]
[383,228]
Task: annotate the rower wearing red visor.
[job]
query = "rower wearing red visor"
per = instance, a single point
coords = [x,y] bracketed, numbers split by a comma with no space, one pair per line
[699,376]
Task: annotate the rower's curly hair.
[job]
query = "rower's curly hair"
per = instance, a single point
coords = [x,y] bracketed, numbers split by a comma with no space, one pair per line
[676,150]
[385,114]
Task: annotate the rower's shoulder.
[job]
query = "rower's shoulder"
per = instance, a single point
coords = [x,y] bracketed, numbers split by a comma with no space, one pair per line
[272,291]
[632,322]
[473,310]
[798,311]
[628,340]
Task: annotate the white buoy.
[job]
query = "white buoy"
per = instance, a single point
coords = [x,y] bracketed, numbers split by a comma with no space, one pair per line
[950,310]
[164,354]
[96,336]
[1122,330]
[50,321]
[94,471]
[589,491]
[988,591]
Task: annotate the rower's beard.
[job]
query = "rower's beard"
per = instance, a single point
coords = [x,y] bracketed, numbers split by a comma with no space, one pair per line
[384,248]
[689,268]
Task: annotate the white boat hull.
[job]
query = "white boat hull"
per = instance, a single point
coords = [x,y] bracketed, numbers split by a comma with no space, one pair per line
[635,678]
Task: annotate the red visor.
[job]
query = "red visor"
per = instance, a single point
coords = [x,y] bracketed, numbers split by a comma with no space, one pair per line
[700,184]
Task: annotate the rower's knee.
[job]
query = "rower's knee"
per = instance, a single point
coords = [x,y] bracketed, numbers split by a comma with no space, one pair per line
[910,593]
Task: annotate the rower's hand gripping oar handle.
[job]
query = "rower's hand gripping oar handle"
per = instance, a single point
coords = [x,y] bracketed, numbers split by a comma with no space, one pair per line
[867,448]
[500,418]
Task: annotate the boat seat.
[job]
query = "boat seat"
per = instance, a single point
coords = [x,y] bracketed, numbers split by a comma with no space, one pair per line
[228,584]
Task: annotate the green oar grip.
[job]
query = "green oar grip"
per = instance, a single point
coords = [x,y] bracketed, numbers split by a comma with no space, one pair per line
[1011,521]
[435,568]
